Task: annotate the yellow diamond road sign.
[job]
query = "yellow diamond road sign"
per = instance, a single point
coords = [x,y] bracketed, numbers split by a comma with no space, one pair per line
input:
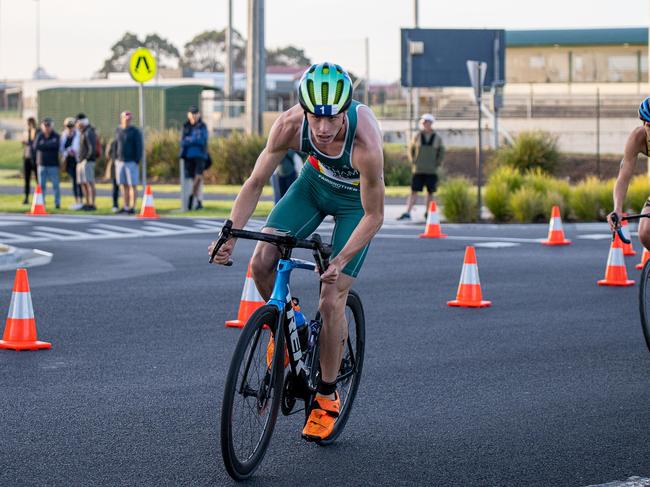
[142,65]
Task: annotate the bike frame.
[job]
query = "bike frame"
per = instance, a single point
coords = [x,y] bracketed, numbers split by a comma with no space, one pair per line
[281,299]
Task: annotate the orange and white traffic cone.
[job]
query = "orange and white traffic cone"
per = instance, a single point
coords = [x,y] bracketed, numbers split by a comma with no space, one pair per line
[38,205]
[148,210]
[627,248]
[469,290]
[555,230]
[250,301]
[644,257]
[20,330]
[616,273]
[432,229]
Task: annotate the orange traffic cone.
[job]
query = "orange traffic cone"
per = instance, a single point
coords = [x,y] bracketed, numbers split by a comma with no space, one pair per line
[616,273]
[250,301]
[627,248]
[38,205]
[148,210]
[432,229]
[469,290]
[20,331]
[555,230]
[644,258]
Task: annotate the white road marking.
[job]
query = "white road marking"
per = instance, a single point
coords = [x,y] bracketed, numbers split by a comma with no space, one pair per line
[47,218]
[497,245]
[630,482]
[595,236]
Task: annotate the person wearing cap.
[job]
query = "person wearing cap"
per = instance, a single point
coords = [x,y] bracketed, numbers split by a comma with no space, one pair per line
[426,152]
[194,150]
[127,153]
[86,164]
[46,149]
[29,162]
[69,150]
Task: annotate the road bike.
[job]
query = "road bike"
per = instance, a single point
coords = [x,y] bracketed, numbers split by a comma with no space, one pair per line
[644,285]
[260,383]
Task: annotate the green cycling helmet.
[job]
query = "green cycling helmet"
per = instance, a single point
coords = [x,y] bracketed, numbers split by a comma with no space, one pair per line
[325,89]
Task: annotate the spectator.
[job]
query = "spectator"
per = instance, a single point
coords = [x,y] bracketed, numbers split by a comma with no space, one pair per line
[69,151]
[286,173]
[46,149]
[29,164]
[194,150]
[109,173]
[87,158]
[128,153]
[425,153]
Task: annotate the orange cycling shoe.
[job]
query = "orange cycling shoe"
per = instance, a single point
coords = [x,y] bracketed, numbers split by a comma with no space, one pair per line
[322,418]
[270,348]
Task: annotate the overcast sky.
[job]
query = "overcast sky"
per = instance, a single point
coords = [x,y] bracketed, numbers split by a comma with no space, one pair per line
[76,34]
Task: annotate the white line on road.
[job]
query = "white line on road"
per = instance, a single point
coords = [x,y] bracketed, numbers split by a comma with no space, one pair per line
[595,236]
[630,482]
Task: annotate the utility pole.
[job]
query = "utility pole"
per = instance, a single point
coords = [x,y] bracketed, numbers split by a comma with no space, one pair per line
[255,67]
[227,86]
[366,90]
[416,91]
[38,36]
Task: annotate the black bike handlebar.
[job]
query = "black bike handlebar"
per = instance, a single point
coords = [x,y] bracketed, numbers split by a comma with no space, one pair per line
[322,252]
[617,222]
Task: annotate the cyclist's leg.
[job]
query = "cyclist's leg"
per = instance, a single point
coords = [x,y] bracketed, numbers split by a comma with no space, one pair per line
[334,296]
[644,226]
[296,214]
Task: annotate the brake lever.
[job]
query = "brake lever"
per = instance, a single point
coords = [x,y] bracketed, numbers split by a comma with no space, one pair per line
[619,230]
[224,236]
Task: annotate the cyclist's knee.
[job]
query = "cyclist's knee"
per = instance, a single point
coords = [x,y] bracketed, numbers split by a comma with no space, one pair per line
[644,234]
[263,262]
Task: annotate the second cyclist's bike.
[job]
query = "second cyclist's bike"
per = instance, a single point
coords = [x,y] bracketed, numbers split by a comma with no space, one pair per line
[275,365]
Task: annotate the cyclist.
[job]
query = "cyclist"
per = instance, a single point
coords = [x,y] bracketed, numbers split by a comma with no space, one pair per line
[343,177]
[638,142]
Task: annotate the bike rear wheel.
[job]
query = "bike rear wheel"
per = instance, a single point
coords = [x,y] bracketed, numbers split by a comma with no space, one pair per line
[251,395]
[644,302]
[347,382]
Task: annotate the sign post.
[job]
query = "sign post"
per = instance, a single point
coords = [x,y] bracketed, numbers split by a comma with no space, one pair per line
[477,71]
[142,67]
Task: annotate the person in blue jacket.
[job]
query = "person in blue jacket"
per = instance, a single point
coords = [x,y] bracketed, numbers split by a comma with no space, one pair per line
[194,150]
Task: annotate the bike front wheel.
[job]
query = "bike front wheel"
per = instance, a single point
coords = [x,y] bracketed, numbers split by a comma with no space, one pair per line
[252,395]
[644,302]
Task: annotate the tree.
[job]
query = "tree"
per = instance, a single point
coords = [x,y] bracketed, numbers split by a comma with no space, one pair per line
[207,51]
[167,53]
[287,56]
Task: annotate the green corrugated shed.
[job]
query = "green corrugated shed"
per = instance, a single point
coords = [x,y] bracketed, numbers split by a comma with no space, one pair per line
[577,37]
[165,107]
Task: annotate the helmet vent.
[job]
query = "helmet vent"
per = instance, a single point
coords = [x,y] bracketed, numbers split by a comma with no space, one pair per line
[339,92]
[324,90]
[310,90]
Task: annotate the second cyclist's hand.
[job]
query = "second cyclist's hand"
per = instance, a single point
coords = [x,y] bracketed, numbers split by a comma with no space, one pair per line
[614,226]
[223,256]
[332,273]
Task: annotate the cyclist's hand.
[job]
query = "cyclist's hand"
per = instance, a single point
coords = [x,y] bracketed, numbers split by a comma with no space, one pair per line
[610,220]
[332,273]
[223,256]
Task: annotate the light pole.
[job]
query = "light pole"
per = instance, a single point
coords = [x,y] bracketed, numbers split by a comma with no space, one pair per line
[38,37]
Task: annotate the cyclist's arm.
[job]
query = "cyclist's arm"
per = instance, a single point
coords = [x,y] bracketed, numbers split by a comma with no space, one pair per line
[632,149]
[369,161]
[280,140]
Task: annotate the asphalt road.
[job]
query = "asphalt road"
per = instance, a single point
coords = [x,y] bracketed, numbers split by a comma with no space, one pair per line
[550,386]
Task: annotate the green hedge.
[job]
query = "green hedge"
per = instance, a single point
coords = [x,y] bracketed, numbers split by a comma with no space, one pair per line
[530,150]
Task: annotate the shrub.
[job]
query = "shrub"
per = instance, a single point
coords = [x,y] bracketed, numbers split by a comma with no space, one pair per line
[233,157]
[586,198]
[605,196]
[500,185]
[637,193]
[458,200]
[529,150]
[397,169]
[162,155]
[528,205]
